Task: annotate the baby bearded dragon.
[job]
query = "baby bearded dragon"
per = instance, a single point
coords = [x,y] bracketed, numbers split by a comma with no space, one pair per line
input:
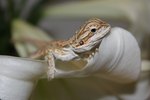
[87,38]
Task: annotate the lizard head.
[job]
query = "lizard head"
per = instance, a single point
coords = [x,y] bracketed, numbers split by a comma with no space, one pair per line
[89,35]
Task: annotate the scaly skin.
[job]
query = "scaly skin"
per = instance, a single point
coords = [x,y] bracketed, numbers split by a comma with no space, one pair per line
[80,46]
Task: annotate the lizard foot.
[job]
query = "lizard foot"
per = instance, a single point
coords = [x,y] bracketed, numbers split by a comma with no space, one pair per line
[51,73]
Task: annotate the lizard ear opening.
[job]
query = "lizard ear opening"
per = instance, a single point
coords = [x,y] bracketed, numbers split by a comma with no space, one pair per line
[81,42]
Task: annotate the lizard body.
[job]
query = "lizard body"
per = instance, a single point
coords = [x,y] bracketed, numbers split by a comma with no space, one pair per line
[79,46]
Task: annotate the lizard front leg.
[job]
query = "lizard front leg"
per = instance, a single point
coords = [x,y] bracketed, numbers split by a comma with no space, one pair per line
[51,65]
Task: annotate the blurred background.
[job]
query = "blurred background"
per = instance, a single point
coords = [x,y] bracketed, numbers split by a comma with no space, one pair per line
[61,18]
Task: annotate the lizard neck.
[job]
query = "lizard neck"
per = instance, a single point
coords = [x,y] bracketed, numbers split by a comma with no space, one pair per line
[65,43]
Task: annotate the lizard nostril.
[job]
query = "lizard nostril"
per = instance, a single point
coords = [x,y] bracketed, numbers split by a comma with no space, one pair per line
[93,30]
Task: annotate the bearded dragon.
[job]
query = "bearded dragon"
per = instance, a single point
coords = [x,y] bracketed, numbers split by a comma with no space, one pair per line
[79,46]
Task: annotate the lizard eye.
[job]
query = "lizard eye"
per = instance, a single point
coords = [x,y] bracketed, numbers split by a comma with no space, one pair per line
[81,42]
[93,30]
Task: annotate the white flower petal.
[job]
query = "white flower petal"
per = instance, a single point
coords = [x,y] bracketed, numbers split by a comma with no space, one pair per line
[18,77]
[118,59]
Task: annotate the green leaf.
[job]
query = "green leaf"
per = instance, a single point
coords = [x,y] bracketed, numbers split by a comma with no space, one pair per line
[21,30]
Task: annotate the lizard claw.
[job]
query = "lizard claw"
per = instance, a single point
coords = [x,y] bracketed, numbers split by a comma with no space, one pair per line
[97,49]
